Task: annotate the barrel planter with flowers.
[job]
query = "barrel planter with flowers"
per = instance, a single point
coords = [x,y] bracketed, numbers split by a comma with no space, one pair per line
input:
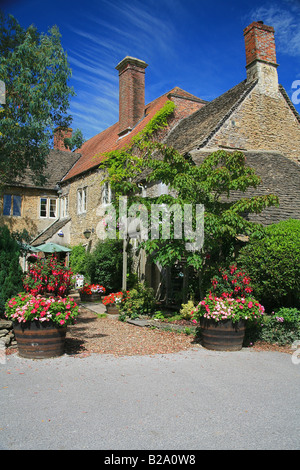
[223,321]
[40,324]
[91,293]
[113,302]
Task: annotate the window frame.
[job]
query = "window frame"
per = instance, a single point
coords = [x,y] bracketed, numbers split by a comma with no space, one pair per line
[12,205]
[47,209]
[82,200]
[106,200]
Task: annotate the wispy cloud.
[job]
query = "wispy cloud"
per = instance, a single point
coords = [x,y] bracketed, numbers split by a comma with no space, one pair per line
[118,29]
[285,18]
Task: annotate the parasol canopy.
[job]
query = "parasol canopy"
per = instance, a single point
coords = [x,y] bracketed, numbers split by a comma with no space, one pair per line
[51,248]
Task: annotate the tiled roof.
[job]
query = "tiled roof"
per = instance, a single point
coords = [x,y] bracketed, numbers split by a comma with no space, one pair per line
[92,151]
[58,164]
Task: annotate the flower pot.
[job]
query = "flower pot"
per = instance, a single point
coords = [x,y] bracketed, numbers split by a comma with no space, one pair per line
[222,335]
[40,340]
[112,309]
[95,297]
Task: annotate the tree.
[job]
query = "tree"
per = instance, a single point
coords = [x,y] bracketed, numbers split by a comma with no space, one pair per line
[209,184]
[35,71]
[10,269]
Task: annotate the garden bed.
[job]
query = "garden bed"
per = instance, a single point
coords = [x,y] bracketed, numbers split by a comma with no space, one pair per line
[107,335]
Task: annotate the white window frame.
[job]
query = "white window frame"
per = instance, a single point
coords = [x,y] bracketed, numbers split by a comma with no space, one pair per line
[64,206]
[48,207]
[106,194]
[81,200]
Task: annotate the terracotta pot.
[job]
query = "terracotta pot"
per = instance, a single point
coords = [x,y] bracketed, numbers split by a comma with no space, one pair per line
[40,340]
[223,335]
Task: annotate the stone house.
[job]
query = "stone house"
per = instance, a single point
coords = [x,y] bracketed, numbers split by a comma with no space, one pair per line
[256,116]
[27,205]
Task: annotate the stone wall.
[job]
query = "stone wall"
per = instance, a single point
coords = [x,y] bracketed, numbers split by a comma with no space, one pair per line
[30,206]
[91,217]
[261,122]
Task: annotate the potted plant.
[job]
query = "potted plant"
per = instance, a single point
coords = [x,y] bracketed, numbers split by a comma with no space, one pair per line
[113,301]
[40,323]
[48,277]
[91,292]
[223,320]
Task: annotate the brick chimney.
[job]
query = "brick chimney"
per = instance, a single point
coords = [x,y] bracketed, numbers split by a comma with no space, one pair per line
[59,135]
[131,93]
[261,62]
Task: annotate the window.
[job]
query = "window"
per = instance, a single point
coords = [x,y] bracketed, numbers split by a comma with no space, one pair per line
[106,194]
[43,207]
[52,208]
[81,200]
[64,206]
[12,205]
[48,207]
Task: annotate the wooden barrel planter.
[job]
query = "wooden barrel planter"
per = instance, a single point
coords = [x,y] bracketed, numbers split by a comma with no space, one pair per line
[96,297]
[40,340]
[112,309]
[223,335]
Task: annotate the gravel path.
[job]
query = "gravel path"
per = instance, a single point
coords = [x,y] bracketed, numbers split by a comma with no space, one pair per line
[111,336]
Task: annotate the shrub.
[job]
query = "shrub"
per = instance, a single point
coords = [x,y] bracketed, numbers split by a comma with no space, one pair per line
[281,327]
[272,260]
[104,264]
[187,310]
[78,260]
[139,301]
[10,269]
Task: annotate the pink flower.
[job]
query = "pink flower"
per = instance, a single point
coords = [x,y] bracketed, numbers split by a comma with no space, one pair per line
[62,322]
[250,304]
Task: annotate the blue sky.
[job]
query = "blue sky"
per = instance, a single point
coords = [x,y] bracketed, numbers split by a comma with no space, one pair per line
[194,44]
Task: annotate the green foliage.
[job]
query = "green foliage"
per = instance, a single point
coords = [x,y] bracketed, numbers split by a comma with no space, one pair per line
[10,269]
[272,260]
[187,309]
[209,184]
[104,264]
[35,70]
[78,260]
[140,301]
[282,327]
